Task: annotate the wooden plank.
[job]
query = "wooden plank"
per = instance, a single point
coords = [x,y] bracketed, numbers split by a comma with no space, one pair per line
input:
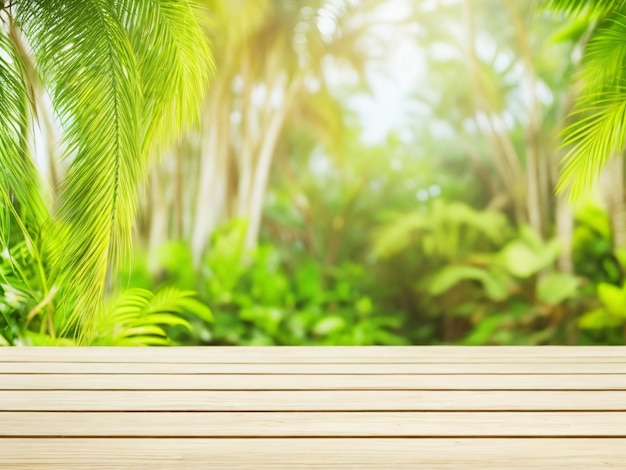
[329,424]
[310,382]
[431,454]
[320,355]
[341,369]
[400,400]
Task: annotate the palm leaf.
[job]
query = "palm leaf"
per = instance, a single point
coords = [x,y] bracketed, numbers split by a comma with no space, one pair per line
[598,132]
[17,172]
[88,66]
[594,138]
[605,56]
[138,317]
[578,6]
[174,63]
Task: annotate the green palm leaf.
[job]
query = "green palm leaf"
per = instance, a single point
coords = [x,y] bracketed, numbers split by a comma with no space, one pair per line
[599,130]
[17,171]
[594,139]
[174,63]
[578,6]
[605,56]
[138,317]
[87,63]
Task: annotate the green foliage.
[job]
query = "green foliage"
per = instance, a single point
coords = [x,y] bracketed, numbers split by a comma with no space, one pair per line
[556,288]
[22,297]
[30,312]
[444,229]
[138,317]
[260,302]
[507,293]
[257,300]
[610,317]
[579,6]
[528,254]
[421,239]
[598,131]
[124,79]
[495,286]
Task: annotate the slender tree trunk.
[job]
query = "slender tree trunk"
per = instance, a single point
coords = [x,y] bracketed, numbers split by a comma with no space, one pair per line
[158,224]
[536,178]
[248,140]
[565,235]
[209,201]
[502,149]
[264,163]
[614,194]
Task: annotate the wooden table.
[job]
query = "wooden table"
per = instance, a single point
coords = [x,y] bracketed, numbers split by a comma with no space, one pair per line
[273,408]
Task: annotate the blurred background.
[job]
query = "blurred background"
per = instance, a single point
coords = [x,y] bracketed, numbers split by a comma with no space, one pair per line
[383,172]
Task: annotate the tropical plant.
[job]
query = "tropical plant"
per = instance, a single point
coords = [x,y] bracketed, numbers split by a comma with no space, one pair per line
[139,317]
[597,134]
[124,78]
[258,300]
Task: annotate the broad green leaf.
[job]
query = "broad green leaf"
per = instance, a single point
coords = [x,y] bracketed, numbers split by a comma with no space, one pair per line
[556,288]
[613,299]
[329,325]
[598,319]
[446,278]
[527,256]
[197,308]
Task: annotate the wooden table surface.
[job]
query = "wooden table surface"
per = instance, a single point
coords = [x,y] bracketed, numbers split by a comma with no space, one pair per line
[283,407]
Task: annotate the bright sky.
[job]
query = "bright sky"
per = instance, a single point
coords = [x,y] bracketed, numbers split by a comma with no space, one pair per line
[393,80]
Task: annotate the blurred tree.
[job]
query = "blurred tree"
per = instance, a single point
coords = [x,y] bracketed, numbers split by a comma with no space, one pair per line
[273,62]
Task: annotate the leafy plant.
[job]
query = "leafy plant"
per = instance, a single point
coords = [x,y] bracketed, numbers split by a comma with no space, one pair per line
[124,78]
[140,317]
[445,230]
[610,318]
[598,131]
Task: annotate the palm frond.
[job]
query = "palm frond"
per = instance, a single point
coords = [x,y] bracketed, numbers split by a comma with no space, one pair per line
[174,62]
[138,317]
[594,138]
[87,63]
[578,6]
[605,56]
[598,132]
[18,175]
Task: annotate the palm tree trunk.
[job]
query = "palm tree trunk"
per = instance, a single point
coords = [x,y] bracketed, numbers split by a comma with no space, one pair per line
[264,162]
[536,178]
[211,175]
[503,151]
[614,194]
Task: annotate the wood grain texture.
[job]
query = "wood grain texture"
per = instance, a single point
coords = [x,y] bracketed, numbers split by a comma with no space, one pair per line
[333,424]
[272,408]
[311,382]
[320,355]
[138,368]
[430,454]
[385,400]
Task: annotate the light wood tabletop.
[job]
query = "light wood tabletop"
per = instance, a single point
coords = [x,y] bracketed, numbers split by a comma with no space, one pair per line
[300,407]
